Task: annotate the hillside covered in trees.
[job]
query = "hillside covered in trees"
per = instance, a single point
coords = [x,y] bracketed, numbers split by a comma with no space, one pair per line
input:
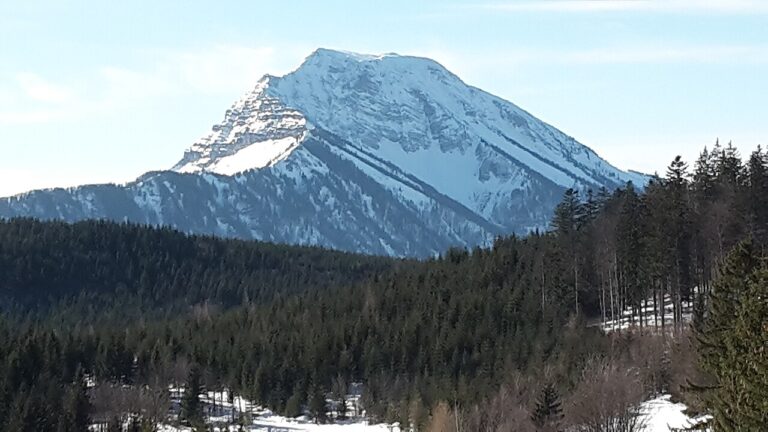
[493,339]
[136,270]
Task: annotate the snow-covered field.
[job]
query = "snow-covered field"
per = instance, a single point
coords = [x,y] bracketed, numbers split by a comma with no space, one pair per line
[261,419]
[659,415]
[279,424]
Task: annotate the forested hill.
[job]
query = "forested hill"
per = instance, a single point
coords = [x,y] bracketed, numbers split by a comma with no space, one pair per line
[465,327]
[47,263]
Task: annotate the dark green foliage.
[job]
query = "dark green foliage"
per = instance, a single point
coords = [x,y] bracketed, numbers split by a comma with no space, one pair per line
[191,406]
[733,341]
[339,392]
[568,222]
[294,403]
[90,266]
[281,325]
[757,199]
[318,408]
[76,407]
[548,413]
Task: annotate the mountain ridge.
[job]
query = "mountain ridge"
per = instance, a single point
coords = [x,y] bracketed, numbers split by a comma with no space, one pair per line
[346,150]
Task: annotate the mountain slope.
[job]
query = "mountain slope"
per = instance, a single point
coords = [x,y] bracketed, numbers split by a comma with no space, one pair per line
[378,154]
[158,270]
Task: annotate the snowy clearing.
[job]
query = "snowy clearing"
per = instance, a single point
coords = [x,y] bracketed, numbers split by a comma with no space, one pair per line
[651,319]
[662,415]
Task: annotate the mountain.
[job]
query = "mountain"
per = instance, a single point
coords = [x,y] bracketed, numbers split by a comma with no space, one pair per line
[379,154]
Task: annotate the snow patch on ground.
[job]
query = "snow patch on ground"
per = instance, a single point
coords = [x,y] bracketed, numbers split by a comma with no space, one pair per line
[659,415]
[662,415]
[258,418]
[626,321]
[280,424]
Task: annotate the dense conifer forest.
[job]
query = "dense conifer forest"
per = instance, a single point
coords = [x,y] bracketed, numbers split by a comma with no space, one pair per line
[101,265]
[507,337]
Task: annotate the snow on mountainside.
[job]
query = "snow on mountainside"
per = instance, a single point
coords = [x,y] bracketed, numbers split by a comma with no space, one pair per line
[258,131]
[379,154]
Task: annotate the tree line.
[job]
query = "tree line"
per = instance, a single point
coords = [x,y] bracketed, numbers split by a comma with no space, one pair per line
[632,249]
[100,318]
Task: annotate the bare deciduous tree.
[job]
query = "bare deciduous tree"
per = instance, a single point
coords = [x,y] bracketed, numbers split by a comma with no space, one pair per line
[125,403]
[442,419]
[607,399]
[506,411]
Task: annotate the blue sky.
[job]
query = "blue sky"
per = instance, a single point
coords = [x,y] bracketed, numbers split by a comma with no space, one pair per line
[95,91]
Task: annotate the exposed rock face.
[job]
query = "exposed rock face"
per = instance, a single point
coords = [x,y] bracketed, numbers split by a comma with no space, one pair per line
[377,154]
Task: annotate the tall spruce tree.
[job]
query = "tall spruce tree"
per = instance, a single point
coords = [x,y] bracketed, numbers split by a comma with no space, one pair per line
[547,415]
[630,232]
[567,222]
[704,177]
[752,335]
[757,196]
[76,409]
[318,408]
[191,406]
[733,344]
[678,231]
[293,405]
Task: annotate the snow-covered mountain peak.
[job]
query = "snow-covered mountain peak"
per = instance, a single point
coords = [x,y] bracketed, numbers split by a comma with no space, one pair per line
[408,114]
[257,131]
[270,121]
[408,109]
[357,72]
[333,56]
[410,125]
[382,154]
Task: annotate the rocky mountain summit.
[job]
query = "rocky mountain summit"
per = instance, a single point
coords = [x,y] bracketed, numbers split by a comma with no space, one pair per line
[382,154]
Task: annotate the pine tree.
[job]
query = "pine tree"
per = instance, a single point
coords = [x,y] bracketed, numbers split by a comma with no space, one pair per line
[76,406]
[317,405]
[678,232]
[567,222]
[704,177]
[293,405]
[732,340]
[752,336]
[339,391]
[630,247]
[728,165]
[548,413]
[191,406]
[757,195]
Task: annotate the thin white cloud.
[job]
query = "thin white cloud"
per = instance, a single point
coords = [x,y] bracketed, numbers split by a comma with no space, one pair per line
[39,89]
[32,99]
[656,6]
[218,69]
